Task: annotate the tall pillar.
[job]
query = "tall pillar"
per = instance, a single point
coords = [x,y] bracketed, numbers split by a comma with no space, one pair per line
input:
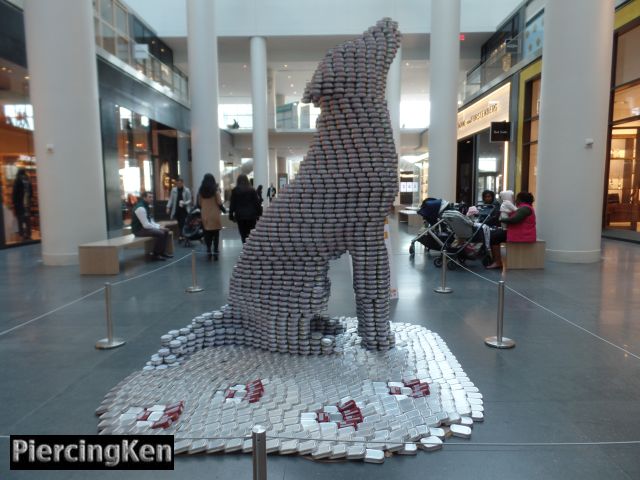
[271,99]
[574,108]
[273,168]
[259,101]
[202,46]
[64,94]
[443,97]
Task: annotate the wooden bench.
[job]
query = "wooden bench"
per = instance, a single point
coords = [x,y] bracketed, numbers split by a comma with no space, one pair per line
[411,217]
[517,255]
[103,257]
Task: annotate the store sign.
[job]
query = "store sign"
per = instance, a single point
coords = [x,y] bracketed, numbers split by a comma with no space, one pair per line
[500,132]
[479,115]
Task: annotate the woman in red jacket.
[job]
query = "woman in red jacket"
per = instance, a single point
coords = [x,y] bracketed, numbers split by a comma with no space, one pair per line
[521,227]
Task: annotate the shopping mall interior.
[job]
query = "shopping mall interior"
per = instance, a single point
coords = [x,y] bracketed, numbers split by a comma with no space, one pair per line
[349,309]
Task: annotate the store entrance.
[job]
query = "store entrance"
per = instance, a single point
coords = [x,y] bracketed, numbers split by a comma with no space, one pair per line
[622,210]
[465,173]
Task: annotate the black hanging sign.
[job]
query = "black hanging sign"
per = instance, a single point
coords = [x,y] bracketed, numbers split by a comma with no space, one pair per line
[500,132]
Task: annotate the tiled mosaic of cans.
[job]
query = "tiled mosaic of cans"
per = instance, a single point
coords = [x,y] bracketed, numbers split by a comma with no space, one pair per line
[296,388]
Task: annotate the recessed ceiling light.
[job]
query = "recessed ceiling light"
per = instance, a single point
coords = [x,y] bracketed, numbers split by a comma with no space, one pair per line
[285,65]
[289,77]
[407,64]
[291,85]
[244,66]
[295,93]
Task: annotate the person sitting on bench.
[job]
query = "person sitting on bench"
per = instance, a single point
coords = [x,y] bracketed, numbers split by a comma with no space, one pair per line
[521,227]
[143,226]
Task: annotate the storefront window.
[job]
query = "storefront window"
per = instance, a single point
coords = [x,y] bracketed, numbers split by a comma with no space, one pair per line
[626,102]
[528,179]
[18,172]
[135,165]
[623,205]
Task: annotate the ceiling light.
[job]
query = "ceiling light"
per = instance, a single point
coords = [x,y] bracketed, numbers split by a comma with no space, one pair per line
[407,64]
[244,66]
[26,77]
[289,77]
[285,65]
[291,85]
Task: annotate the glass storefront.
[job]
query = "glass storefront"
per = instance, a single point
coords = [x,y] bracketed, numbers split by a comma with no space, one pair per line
[481,163]
[18,171]
[528,180]
[622,193]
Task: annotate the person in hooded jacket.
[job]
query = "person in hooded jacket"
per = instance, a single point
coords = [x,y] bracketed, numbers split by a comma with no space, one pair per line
[489,209]
[245,207]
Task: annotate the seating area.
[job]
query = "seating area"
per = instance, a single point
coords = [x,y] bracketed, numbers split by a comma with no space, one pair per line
[522,256]
[103,257]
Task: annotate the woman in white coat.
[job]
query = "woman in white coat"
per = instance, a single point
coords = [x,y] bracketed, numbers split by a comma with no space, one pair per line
[179,203]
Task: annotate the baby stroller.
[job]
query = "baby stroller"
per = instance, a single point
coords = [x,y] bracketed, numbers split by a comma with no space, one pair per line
[434,234]
[193,230]
[469,240]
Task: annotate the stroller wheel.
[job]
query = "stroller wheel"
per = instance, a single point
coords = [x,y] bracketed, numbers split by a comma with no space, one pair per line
[451,265]
[437,262]
[412,250]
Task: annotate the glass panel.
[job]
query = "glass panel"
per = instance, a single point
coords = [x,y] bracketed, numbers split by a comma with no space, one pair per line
[106,11]
[623,204]
[123,51]
[96,31]
[533,168]
[108,39]
[535,98]
[533,135]
[122,20]
[488,165]
[626,103]
[627,59]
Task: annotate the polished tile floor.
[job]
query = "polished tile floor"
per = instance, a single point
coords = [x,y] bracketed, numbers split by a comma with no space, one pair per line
[559,385]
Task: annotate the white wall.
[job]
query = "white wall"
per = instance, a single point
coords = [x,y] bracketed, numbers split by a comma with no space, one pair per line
[310,17]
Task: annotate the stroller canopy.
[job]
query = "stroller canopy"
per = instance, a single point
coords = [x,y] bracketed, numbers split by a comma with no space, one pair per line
[431,209]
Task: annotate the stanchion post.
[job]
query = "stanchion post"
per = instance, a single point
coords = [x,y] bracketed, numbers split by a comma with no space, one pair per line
[109,342]
[499,341]
[259,444]
[443,279]
[194,288]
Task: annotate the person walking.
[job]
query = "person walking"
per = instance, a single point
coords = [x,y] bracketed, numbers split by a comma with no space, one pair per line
[245,208]
[21,197]
[271,193]
[210,209]
[259,192]
[179,204]
[143,226]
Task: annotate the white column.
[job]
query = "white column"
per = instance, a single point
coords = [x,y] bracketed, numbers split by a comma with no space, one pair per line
[271,99]
[203,87]
[273,169]
[443,96]
[260,122]
[64,94]
[574,109]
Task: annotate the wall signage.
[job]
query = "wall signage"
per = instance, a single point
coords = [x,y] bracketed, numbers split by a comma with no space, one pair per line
[479,115]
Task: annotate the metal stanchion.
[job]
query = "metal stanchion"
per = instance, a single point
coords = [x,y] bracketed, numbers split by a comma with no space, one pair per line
[443,282]
[109,342]
[499,341]
[259,449]
[194,283]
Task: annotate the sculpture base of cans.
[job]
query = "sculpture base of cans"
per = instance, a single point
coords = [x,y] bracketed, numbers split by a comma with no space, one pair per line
[356,404]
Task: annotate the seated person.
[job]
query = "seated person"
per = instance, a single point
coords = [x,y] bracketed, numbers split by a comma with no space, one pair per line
[521,227]
[489,209]
[507,206]
[143,226]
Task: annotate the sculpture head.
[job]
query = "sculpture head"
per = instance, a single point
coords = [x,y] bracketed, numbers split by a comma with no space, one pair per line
[356,67]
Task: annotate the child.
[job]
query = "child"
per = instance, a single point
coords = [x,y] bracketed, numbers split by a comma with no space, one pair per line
[507,206]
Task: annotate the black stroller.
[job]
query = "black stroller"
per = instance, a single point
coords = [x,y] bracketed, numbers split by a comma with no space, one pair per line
[435,234]
[193,229]
[469,240]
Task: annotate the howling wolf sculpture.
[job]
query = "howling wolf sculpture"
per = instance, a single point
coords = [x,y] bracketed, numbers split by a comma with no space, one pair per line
[337,203]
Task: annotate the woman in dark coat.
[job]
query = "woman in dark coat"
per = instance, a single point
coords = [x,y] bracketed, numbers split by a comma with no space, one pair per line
[245,208]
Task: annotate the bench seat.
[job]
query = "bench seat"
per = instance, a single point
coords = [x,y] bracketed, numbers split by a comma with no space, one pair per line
[524,255]
[103,257]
